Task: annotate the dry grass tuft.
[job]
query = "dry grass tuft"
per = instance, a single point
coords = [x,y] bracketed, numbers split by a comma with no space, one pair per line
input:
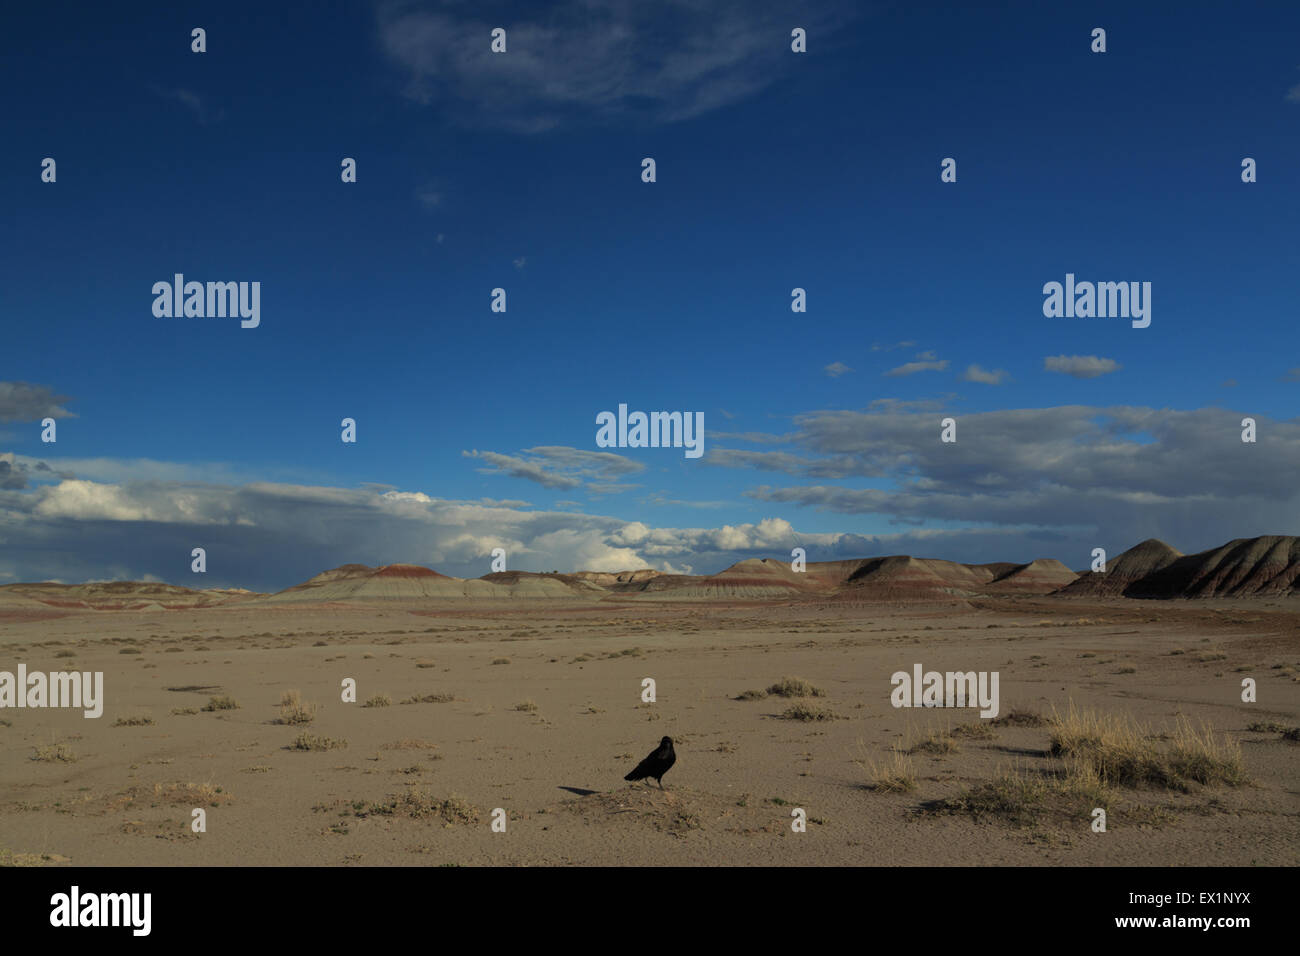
[294,710]
[896,774]
[802,711]
[51,753]
[138,720]
[1122,752]
[795,687]
[306,741]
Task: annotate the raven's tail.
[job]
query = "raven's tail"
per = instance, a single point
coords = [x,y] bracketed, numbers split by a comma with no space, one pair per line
[637,774]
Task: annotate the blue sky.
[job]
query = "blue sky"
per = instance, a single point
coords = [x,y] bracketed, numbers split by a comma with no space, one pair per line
[522,170]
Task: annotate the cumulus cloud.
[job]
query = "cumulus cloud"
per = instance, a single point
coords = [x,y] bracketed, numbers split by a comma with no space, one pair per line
[1080,366]
[975,373]
[16,472]
[12,476]
[836,369]
[268,536]
[23,402]
[1122,473]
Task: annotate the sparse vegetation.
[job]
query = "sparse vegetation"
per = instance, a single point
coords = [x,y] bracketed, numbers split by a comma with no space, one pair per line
[294,710]
[51,753]
[221,703]
[10,858]
[306,741]
[1121,752]
[1267,727]
[976,730]
[896,774]
[418,804]
[379,700]
[934,743]
[409,743]
[138,720]
[430,699]
[802,711]
[527,706]
[795,687]
[1023,799]
[501,660]
[1020,718]
[753,695]
[190,794]
[183,711]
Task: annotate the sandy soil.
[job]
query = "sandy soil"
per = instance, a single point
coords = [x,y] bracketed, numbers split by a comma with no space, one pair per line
[417,782]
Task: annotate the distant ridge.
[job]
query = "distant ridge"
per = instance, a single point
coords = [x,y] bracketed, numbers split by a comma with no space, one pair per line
[1266,565]
[120,596]
[412,582]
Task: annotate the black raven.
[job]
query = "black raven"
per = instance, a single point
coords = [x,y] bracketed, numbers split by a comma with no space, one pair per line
[657,764]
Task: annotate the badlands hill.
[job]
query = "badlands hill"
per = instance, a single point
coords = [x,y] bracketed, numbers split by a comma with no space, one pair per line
[1244,567]
[118,596]
[411,582]
[1268,565]
[757,579]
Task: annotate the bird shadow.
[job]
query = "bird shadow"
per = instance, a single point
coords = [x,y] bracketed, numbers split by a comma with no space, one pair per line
[579,791]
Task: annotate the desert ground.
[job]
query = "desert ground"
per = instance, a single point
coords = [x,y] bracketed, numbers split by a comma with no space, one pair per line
[535,708]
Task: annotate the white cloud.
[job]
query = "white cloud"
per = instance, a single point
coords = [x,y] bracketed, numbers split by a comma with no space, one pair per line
[23,402]
[584,60]
[975,373]
[560,466]
[911,368]
[1080,366]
